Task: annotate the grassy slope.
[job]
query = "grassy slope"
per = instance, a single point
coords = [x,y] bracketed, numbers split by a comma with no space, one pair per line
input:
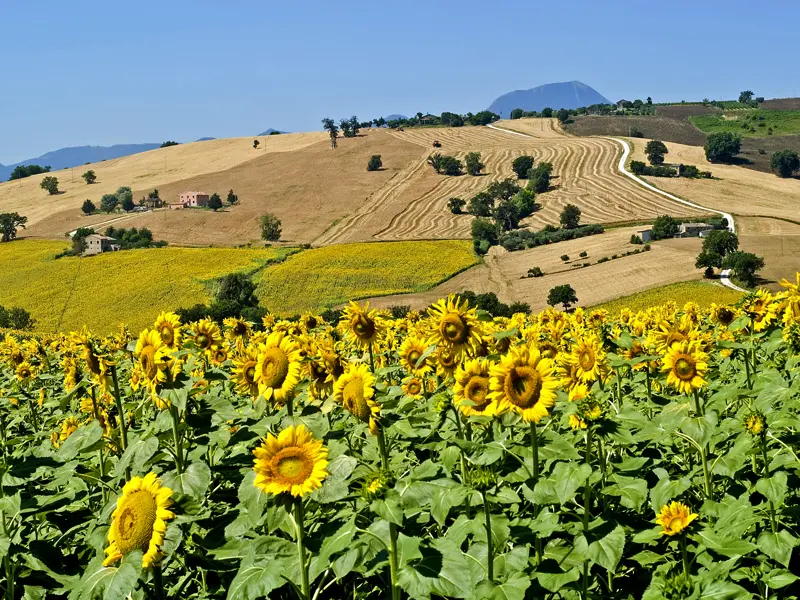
[332,275]
[699,292]
[782,122]
[102,291]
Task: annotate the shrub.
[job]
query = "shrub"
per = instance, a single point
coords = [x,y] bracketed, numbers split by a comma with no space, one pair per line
[485,234]
[522,166]
[399,311]
[762,151]
[635,239]
[689,171]
[456,205]
[374,163]
[723,146]
[89,176]
[785,162]
[473,163]
[270,228]
[15,318]
[535,272]
[565,257]
[637,133]
[602,260]
[88,207]
[646,247]
[523,238]
[583,254]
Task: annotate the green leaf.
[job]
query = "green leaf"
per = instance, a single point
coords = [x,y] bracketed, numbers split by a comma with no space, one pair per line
[779,578]
[82,439]
[192,482]
[110,583]
[777,546]
[733,460]
[444,500]
[441,569]
[562,484]
[388,508]
[331,491]
[774,488]
[552,578]
[137,454]
[724,590]
[667,489]
[512,589]
[726,545]
[269,562]
[607,551]
[632,491]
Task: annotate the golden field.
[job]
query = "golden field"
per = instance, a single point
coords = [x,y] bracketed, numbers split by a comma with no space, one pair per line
[328,276]
[102,291]
[700,292]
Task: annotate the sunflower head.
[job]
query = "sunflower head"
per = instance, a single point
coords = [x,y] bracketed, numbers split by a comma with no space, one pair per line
[139,521]
[152,357]
[362,324]
[724,315]
[293,462]
[472,388]
[354,390]
[589,359]
[454,325]
[206,334]
[482,478]
[756,424]
[411,351]
[675,518]
[278,367]
[414,388]
[376,484]
[525,383]
[168,325]
[685,365]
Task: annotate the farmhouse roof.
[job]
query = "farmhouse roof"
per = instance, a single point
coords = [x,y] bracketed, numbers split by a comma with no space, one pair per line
[695,225]
[97,236]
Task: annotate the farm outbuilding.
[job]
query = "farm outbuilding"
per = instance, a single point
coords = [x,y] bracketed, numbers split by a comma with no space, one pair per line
[97,244]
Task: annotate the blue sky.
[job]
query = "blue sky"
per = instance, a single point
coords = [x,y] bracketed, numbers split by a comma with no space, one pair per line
[86,72]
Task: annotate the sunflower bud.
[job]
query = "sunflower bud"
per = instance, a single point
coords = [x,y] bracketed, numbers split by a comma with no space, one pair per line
[756,424]
[482,478]
[441,403]
[678,587]
[376,484]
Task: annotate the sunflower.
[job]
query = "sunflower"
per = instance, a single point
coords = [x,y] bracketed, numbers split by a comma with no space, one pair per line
[755,423]
[413,387]
[168,325]
[447,362]
[72,373]
[471,390]
[685,365]
[791,300]
[525,383]
[67,428]
[454,325]
[152,357]
[675,517]
[218,355]
[25,372]
[310,321]
[205,334]
[363,325]
[667,334]
[139,521]
[278,367]
[761,308]
[375,485]
[588,358]
[724,315]
[791,335]
[354,390]
[294,462]
[410,353]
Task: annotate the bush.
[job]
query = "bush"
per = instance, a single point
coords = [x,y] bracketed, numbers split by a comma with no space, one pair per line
[762,151]
[689,171]
[637,133]
[565,257]
[570,217]
[539,177]
[50,184]
[640,168]
[722,147]
[664,227]
[15,318]
[451,166]
[473,163]
[523,238]
[785,163]
[456,205]
[399,311]
[635,239]
[583,254]
[88,207]
[89,176]
[374,163]
[535,272]
[270,228]
[646,247]
[603,260]
[522,166]
[490,303]
[485,234]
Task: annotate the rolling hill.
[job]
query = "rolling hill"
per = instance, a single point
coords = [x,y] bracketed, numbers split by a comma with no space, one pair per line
[570,94]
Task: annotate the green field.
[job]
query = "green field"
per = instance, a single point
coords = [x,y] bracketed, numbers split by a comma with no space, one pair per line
[699,292]
[750,122]
[332,275]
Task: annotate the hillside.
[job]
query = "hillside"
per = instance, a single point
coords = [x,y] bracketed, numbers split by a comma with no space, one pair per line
[570,94]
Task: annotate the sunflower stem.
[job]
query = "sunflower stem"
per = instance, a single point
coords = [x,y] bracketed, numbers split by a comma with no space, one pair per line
[464,472]
[587,499]
[684,555]
[747,370]
[158,583]
[176,438]
[393,569]
[289,406]
[123,426]
[301,549]
[489,541]
[619,385]
[102,467]
[535,457]
[697,406]
[772,518]
[706,474]
[649,384]
[371,358]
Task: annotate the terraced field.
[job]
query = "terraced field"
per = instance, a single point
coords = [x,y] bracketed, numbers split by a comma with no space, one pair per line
[413,204]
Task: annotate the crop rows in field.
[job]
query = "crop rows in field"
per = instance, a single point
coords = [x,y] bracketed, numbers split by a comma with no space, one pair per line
[700,292]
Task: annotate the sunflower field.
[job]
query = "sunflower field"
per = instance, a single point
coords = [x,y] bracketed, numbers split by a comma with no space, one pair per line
[648,454]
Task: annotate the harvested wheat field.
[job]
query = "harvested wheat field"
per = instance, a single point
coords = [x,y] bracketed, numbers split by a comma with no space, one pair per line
[778,241]
[413,204]
[51,216]
[306,187]
[502,272]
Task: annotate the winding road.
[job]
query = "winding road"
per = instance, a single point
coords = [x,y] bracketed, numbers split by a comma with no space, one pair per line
[724,275]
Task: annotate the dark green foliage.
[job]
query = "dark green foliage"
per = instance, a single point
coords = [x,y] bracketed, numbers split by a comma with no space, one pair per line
[270,228]
[535,272]
[88,207]
[275,132]
[231,199]
[169,143]
[451,119]
[562,294]
[435,160]
[744,265]
[451,166]
[50,184]
[399,311]
[15,318]
[721,241]
[23,171]
[481,204]
[490,303]
[484,117]
[331,315]
[640,168]
[108,202]
[506,215]
[563,115]
[637,133]
[635,239]
[473,163]
[570,217]
[79,241]
[9,223]
[255,144]
[332,129]
[124,193]
[746,97]
[524,238]
[526,203]
[664,227]
[503,190]
[485,234]
[522,166]
[517,113]
[785,163]
[655,151]
[215,202]
[131,238]
[708,260]
[89,176]
[565,257]
[539,177]
[127,204]
[374,163]
[456,205]
[237,288]
[547,112]
[723,146]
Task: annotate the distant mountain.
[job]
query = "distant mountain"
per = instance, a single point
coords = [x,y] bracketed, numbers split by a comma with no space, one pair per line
[395,117]
[270,131]
[78,155]
[205,139]
[571,94]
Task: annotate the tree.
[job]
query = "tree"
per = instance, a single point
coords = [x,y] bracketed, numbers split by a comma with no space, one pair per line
[473,163]
[237,288]
[720,241]
[50,184]
[344,125]
[90,177]
[485,234]
[525,200]
[127,204]
[374,163]
[563,115]
[108,202]
[354,125]
[255,144]
[79,240]
[22,171]
[744,266]
[708,259]
[88,207]
[215,202]
[333,131]
[270,228]
[456,205]
[522,165]
[785,162]
[15,318]
[649,100]
[9,223]
[232,198]
[506,215]
[539,177]
[169,143]
[655,151]
[124,195]
[562,294]
[451,166]
[570,216]
[664,227]
[481,205]
[547,112]
[517,113]
[503,189]
[746,97]
[435,160]
[451,119]
[723,146]
[483,117]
